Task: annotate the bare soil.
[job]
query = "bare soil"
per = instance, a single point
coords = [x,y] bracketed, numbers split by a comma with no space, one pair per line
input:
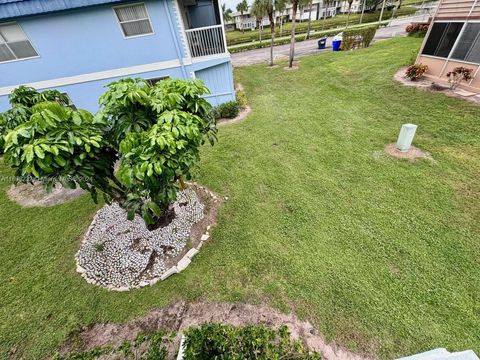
[427,85]
[412,154]
[181,316]
[34,195]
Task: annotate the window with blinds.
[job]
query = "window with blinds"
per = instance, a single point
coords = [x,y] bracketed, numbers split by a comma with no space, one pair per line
[134,20]
[14,44]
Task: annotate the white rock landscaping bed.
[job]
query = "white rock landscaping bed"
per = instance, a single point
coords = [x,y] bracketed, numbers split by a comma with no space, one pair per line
[120,254]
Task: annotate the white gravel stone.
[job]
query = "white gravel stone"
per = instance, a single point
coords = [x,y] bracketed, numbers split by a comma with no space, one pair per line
[205,237]
[118,253]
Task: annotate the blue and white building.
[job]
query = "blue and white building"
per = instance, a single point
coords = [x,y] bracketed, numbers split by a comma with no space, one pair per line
[79,46]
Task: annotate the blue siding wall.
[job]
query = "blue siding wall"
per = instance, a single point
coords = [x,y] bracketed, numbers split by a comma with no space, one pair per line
[215,78]
[86,41]
[89,40]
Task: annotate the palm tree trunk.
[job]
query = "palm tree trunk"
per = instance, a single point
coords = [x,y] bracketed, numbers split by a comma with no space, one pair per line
[272,34]
[363,11]
[325,5]
[292,38]
[348,16]
[309,18]
[281,24]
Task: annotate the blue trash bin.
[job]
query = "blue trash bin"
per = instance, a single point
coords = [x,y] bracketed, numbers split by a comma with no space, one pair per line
[336,45]
[322,43]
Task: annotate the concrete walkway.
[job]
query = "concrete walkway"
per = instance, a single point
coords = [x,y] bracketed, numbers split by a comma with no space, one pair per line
[308,47]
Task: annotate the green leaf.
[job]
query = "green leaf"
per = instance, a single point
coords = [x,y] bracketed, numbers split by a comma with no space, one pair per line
[39,152]
[155,208]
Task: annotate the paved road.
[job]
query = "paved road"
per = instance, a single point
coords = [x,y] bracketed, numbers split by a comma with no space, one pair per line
[258,56]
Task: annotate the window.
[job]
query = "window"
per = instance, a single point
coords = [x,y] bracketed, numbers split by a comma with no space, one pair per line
[468,47]
[134,20]
[153,81]
[14,44]
[442,38]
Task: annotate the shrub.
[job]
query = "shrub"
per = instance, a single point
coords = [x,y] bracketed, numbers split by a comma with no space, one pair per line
[416,71]
[137,150]
[358,38]
[219,341]
[417,29]
[457,75]
[227,110]
[21,100]
[241,98]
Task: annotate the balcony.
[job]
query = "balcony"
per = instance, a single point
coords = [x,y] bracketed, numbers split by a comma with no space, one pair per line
[206,41]
[203,24]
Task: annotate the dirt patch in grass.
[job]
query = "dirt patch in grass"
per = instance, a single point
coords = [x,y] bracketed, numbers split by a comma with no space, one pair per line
[181,316]
[412,154]
[428,85]
[34,195]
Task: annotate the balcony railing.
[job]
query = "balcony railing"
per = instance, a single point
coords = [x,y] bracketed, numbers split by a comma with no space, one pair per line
[206,41]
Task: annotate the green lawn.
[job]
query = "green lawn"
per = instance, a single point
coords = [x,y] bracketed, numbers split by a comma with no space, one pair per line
[382,255]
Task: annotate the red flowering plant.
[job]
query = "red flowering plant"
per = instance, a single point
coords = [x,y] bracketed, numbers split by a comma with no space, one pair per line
[416,71]
[457,75]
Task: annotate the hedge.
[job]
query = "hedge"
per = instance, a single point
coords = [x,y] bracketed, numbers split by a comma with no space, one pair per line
[358,38]
[298,38]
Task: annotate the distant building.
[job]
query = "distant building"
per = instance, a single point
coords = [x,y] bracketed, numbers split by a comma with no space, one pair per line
[249,22]
[453,40]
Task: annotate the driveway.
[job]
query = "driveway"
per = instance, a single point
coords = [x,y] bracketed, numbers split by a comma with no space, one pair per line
[258,56]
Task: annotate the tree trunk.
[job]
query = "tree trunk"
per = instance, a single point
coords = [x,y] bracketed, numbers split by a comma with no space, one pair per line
[363,11]
[325,5]
[399,4]
[292,38]
[309,19]
[281,24]
[243,28]
[260,30]
[168,214]
[272,34]
[348,16]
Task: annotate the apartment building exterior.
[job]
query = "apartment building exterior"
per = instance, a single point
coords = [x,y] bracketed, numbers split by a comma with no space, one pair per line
[453,40]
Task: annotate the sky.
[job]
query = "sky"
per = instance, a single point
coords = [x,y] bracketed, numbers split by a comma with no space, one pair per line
[232,4]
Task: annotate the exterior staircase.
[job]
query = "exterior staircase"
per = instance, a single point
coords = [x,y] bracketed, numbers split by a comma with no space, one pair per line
[442,354]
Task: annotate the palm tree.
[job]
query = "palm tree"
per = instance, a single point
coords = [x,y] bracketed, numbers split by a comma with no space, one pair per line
[280,6]
[292,36]
[295,5]
[227,14]
[263,8]
[349,11]
[310,4]
[258,11]
[363,11]
[326,5]
[242,7]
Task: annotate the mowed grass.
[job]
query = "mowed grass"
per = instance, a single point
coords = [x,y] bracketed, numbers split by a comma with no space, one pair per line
[382,255]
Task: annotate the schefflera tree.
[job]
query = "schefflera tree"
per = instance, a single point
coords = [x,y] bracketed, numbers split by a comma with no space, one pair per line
[137,150]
